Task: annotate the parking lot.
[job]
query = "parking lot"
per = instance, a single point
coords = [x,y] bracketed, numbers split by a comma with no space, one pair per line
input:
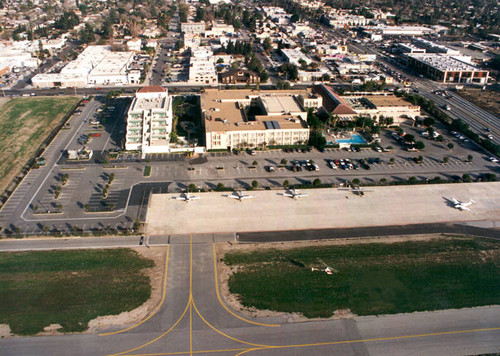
[88,200]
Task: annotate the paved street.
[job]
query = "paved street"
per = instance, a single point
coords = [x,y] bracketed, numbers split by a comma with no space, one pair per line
[193,319]
[83,205]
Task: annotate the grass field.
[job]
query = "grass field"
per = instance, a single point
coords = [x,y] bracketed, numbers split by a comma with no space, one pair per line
[69,288]
[372,279]
[24,124]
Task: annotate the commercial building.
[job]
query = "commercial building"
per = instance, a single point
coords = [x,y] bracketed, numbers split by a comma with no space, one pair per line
[375,106]
[149,121]
[95,66]
[236,76]
[202,67]
[193,28]
[294,56]
[246,118]
[387,31]
[448,69]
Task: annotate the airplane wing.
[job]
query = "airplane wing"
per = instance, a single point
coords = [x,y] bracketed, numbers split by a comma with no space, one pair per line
[232,196]
[302,195]
[465,208]
[247,197]
[288,195]
[181,198]
[455,201]
[195,197]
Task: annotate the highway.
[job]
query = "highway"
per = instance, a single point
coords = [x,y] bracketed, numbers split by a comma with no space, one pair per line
[192,318]
[477,118]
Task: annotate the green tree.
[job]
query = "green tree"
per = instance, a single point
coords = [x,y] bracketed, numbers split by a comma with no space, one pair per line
[286,183]
[316,182]
[255,184]
[409,138]
[450,145]
[446,159]
[316,139]
[267,45]
[192,188]
[429,121]
[290,71]
[470,158]
[86,34]
[254,163]
[419,145]
[356,181]
[284,161]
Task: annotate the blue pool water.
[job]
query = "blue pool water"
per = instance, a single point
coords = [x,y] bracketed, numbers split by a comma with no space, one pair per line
[356,140]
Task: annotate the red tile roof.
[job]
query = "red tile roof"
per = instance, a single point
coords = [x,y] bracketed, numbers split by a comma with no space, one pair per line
[152,89]
[332,102]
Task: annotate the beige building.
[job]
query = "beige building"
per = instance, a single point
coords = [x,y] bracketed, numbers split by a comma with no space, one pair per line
[149,121]
[246,118]
[377,106]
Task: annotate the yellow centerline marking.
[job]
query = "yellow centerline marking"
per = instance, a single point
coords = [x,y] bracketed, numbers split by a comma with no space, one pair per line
[263,347]
[387,338]
[224,334]
[156,338]
[256,347]
[224,305]
[194,352]
[164,292]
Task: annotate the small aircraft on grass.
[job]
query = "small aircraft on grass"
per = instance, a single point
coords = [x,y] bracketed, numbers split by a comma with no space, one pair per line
[327,269]
[238,194]
[462,206]
[293,193]
[187,197]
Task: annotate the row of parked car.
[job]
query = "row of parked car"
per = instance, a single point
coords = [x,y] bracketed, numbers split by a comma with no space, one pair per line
[307,164]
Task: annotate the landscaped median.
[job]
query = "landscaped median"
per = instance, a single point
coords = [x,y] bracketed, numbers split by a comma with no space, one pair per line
[69,288]
[367,277]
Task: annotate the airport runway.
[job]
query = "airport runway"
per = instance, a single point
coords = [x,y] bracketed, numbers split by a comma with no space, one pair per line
[193,319]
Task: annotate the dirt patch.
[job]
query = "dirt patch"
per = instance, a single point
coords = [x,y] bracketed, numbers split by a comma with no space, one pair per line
[488,100]
[5,330]
[52,329]
[225,272]
[156,275]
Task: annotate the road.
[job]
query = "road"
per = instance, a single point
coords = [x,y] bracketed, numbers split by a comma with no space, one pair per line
[477,118]
[193,319]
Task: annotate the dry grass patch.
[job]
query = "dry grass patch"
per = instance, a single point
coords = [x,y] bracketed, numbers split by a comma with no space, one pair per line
[24,125]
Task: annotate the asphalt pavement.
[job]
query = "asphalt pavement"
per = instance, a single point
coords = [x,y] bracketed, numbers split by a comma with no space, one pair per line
[193,319]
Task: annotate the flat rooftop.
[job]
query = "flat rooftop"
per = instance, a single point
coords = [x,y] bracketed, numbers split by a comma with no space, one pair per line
[388,101]
[323,208]
[444,62]
[149,103]
[278,103]
[224,110]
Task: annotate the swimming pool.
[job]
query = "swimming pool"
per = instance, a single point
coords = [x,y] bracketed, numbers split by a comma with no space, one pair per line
[354,140]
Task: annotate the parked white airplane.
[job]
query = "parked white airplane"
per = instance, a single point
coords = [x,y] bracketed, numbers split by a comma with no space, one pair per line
[462,206]
[237,194]
[293,193]
[187,197]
